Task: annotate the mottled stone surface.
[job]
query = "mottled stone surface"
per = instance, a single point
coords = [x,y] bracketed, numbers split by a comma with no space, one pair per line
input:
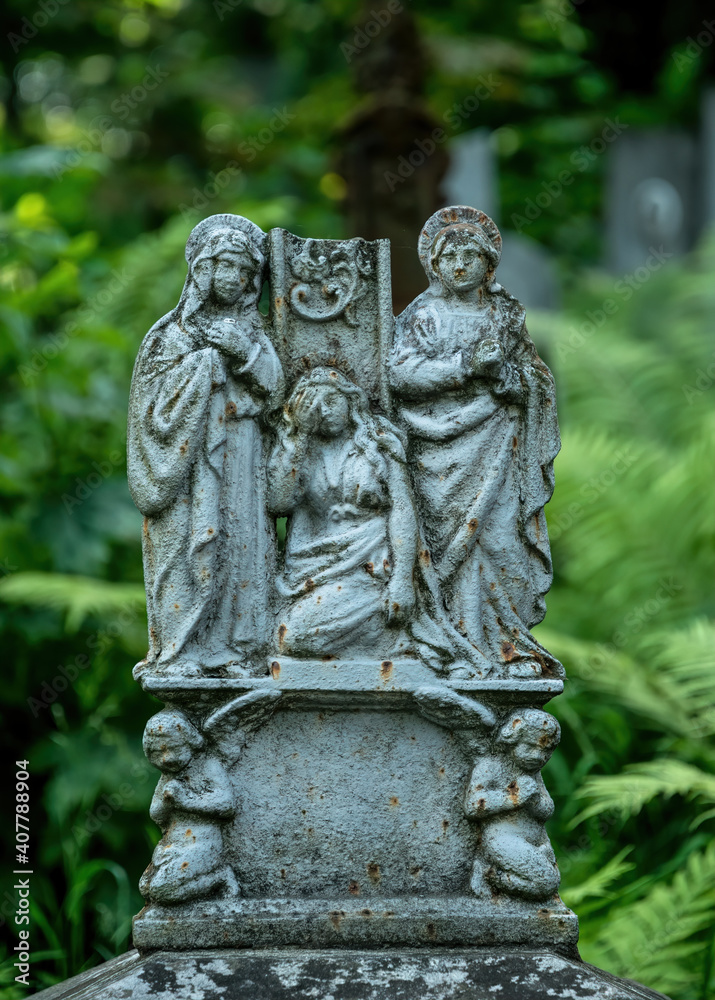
[341,834]
[427,974]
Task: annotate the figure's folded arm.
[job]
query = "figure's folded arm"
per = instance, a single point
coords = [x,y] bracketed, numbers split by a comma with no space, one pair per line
[283,473]
[262,368]
[412,375]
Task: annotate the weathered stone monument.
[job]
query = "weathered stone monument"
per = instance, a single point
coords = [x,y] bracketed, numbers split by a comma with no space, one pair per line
[350,797]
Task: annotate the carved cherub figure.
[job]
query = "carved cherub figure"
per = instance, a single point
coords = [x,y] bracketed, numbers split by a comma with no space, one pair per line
[506,794]
[195,800]
[192,802]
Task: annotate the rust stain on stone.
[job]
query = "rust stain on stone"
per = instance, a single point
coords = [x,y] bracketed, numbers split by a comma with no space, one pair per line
[386,669]
[373,872]
[354,888]
[282,629]
[275,670]
[508,651]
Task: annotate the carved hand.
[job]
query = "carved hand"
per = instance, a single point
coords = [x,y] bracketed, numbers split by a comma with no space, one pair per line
[229,338]
[488,359]
[307,414]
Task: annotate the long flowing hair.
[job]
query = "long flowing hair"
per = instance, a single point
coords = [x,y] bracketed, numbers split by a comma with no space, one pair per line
[373,435]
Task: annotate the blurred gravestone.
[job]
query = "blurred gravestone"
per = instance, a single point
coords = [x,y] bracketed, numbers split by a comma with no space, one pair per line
[651,197]
[527,269]
[707,163]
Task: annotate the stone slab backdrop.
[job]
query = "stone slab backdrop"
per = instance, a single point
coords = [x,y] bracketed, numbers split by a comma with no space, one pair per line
[353,726]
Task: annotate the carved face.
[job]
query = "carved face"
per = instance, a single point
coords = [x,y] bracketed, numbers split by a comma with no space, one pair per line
[331,413]
[461,263]
[532,757]
[232,275]
[170,744]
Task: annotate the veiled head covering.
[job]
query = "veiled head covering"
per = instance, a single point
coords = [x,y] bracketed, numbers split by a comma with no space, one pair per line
[212,237]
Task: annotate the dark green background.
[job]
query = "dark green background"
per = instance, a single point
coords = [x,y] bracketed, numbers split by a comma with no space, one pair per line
[92,254]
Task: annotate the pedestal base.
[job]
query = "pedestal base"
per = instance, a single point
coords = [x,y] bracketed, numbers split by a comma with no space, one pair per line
[419,974]
[448,921]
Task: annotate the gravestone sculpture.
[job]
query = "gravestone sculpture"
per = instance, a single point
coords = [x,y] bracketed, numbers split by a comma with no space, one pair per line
[350,798]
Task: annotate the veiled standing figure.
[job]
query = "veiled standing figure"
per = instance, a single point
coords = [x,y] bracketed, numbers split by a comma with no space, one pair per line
[479,408]
[204,376]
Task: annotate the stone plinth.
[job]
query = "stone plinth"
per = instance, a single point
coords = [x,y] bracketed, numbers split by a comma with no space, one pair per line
[405,974]
[350,828]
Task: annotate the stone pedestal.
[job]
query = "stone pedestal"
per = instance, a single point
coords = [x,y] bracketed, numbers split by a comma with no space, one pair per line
[350,827]
[400,974]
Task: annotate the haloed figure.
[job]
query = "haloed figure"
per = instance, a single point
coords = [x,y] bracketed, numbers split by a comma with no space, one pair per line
[479,409]
[205,375]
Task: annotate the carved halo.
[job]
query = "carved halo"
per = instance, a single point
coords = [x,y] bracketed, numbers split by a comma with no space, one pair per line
[451,216]
[225,221]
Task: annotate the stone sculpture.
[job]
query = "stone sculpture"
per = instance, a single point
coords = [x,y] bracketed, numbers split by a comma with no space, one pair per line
[412,461]
[353,732]
[479,408]
[506,794]
[191,804]
[354,580]
[205,375]
[194,800]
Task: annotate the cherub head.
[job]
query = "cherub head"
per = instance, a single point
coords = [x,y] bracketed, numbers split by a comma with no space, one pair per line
[171,740]
[531,736]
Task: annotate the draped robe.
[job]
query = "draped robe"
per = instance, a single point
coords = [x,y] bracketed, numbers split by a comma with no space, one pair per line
[481,454]
[196,472]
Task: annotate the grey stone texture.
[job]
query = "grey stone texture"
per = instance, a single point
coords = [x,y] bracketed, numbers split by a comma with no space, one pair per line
[354,725]
[406,974]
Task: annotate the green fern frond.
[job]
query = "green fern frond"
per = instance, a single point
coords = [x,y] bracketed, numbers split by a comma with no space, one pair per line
[659,938]
[626,793]
[78,596]
[596,886]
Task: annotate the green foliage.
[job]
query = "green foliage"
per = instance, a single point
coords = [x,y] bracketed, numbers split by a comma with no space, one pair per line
[79,596]
[96,202]
[631,616]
